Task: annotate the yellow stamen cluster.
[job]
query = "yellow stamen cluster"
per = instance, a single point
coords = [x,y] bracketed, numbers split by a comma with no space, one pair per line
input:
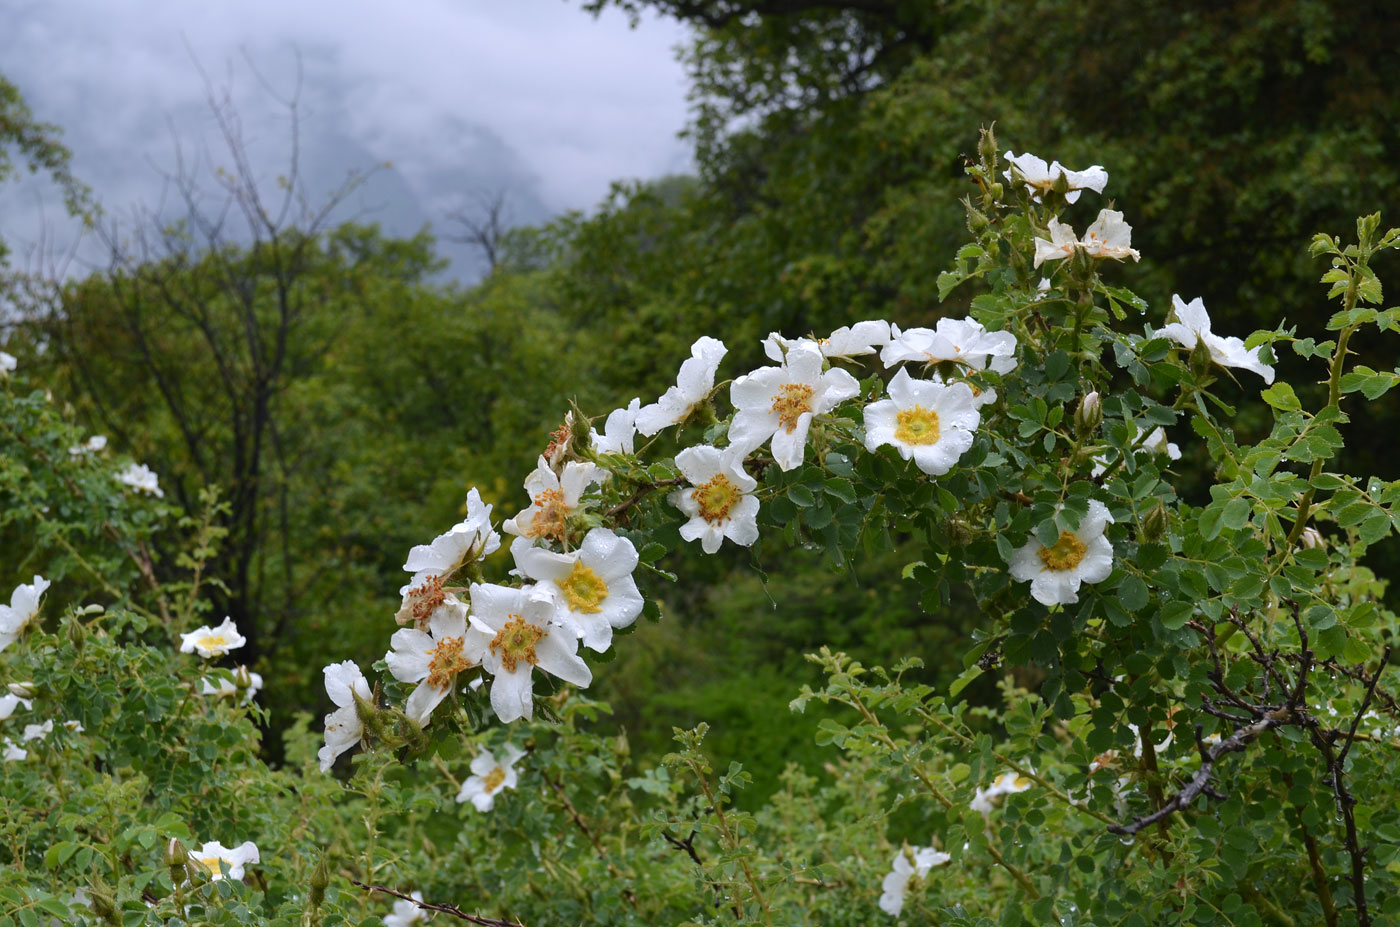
[516,642]
[494,779]
[716,498]
[1067,553]
[426,599]
[211,863]
[792,400]
[916,426]
[583,589]
[445,661]
[552,516]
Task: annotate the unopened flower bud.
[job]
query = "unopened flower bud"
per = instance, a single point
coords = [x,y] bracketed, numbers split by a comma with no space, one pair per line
[995,190]
[103,904]
[977,221]
[1089,416]
[987,146]
[242,679]
[1154,523]
[176,856]
[21,689]
[77,634]
[320,878]
[1312,539]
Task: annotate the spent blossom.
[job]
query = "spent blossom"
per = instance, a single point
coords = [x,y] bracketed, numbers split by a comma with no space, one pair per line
[1109,237]
[1041,177]
[553,498]
[433,659]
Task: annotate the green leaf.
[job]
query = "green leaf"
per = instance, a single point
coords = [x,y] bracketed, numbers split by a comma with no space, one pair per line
[1282,397]
[1132,592]
[1174,615]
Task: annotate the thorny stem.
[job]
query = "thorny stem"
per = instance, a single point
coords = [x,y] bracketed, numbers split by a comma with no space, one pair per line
[451,909]
[732,840]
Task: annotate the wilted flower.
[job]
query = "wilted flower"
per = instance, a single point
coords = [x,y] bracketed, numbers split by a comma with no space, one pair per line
[592,587]
[693,385]
[511,632]
[619,431]
[212,854]
[344,727]
[23,607]
[143,478]
[212,642]
[1041,178]
[780,402]
[489,776]
[470,539]
[553,500]
[432,658]
[1080,556]
[1193,326]
[905,869]
[930,423]
[719,503]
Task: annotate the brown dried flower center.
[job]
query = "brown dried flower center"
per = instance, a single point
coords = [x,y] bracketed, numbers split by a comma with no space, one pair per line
[426,599]
[1067,553]
[916,426]
[516,642]
[494,779]
[445,661]
[792,400]
[552,516]
[716,497]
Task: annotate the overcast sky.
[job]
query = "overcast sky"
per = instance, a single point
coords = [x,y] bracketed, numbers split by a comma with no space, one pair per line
[533,97]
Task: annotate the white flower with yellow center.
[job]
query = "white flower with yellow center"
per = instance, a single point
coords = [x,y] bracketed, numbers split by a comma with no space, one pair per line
[930,423]
[592,586]
[470,539]
[1041,177]
[552,500]
[344,728]
[489,775]
[780,402]
[511,633]
[985,800]
[23,608]
[249,683]
[909,864]
[212,642]
[213,856]
[619,432]
[693,385]
[406,913]
[961,341]
[1108,238]
[1192,326]
[433,659]
[142,478]
[1080,556]
[719,501]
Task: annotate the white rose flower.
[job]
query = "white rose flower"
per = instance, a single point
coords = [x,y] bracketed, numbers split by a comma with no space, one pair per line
[406,913]
[553,500]
[720,503]
[1109,237]
[90,446]
[846,342]
[142,478]
[344,729]
[470,539]
[928,422]
[7,364]
[489,776]
[962,341]
[433,659]
[592,587]
[780,402]
[212,642]
[904,869]
[619,431]
[37,731]
[511,632]
[8,704]
[1041,178]
[991,797]
[249,683]
[1081,556]
[693,385]
[212,854]
[1155,441]
[1193,325]
[13,752]
[23,608]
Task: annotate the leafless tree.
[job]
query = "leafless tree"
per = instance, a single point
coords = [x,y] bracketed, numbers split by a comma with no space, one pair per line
[483,223]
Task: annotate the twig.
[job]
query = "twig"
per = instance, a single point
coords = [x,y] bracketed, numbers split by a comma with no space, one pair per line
[451,909]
